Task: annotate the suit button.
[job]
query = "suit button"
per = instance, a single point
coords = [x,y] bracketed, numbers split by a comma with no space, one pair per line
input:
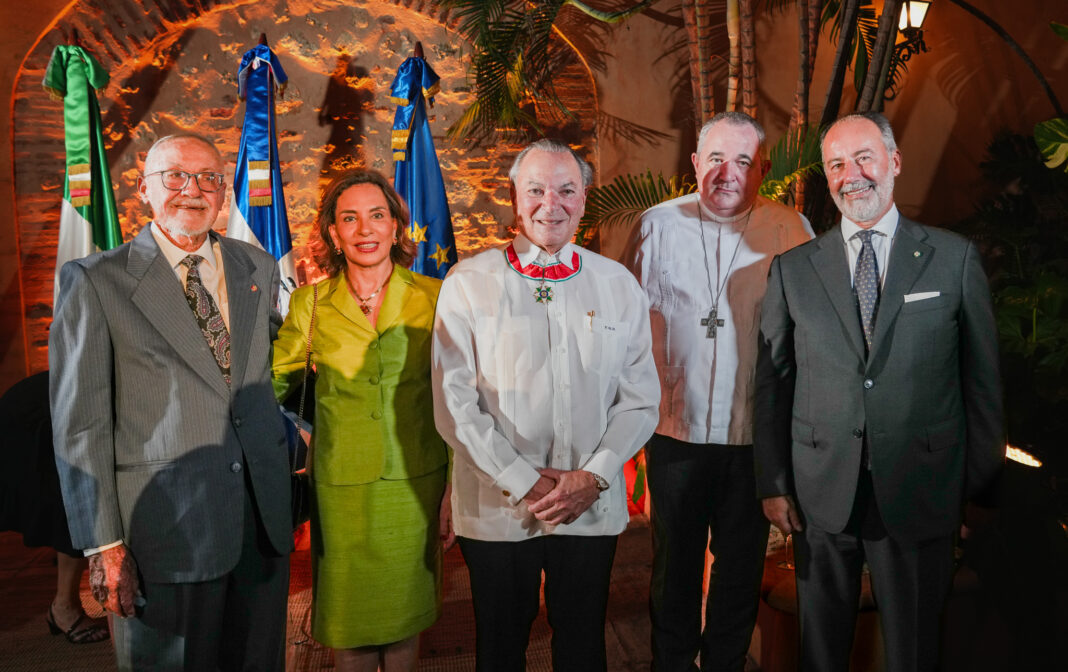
[373,345]
[373,380]
[377,415]
[858,433]
[237,422]
[868,384]
[235,467]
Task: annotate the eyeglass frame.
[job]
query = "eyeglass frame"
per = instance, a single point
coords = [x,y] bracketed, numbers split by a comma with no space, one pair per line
[188,176]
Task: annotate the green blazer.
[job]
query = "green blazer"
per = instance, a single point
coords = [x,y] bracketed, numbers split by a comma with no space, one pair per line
[374,411]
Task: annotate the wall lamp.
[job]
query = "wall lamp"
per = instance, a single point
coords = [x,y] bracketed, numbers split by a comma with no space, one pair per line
[913,12]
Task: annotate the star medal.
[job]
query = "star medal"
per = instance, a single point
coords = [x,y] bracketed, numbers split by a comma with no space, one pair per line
[543,294]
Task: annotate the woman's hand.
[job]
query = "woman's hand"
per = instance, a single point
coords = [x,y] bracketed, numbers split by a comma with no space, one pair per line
[445,531]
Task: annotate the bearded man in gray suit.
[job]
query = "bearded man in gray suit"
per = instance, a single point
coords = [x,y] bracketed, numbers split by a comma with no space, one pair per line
[878,406]
[170,448]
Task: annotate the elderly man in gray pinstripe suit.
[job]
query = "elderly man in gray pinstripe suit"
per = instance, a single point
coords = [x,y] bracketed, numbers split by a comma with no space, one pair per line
[170,449]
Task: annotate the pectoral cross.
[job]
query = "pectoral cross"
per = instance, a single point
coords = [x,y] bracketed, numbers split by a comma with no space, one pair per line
[711,322]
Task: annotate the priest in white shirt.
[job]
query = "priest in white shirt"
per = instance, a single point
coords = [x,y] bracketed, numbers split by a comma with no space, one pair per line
[544,386]
[703,262]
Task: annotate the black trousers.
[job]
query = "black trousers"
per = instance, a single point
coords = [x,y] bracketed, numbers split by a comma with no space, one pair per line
[698,490]
[236,622]
[505,581]
[910,583]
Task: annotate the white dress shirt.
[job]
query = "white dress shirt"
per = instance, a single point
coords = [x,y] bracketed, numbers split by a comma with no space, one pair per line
[521,385]
[707,383]
[212,274]
[882,241]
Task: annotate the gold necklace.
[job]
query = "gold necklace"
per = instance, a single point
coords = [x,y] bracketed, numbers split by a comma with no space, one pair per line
[365,301]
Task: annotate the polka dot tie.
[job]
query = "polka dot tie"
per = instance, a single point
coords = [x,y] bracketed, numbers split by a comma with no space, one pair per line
[206,311]
[866,285]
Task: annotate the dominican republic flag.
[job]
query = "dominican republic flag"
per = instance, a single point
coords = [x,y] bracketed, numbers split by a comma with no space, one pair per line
[417,175]
[88,221]
[258,205]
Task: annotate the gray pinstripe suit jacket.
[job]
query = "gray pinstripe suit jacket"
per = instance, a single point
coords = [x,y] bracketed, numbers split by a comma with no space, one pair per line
[151,446]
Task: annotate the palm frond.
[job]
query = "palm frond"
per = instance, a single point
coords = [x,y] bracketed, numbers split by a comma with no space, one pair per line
[513,65]
[626,198]
[795,157]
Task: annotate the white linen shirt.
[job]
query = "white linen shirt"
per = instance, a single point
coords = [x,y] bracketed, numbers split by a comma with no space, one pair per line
[707,384]
[521,385]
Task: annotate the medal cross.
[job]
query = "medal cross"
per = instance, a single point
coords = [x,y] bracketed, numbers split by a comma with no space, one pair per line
[711,322]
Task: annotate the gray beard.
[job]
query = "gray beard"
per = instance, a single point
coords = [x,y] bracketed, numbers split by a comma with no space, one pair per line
[869,208]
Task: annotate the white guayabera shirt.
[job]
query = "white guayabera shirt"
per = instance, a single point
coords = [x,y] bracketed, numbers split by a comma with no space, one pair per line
[707,383]
[524,381]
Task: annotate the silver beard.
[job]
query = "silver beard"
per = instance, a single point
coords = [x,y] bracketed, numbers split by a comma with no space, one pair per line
[869,208]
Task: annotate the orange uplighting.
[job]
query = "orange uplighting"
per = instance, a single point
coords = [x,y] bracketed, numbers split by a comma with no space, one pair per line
[1021,456]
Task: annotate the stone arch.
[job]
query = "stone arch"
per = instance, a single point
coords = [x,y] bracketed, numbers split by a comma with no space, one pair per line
[173,66]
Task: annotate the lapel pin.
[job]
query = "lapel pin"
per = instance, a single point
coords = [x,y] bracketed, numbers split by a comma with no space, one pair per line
[256,289]
[916,254]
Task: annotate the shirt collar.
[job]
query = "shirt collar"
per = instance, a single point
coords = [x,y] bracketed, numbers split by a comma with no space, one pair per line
[174,254]
[528,252]
[887,225]
[734,221]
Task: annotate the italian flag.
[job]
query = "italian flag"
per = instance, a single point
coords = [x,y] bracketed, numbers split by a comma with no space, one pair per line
[88,220]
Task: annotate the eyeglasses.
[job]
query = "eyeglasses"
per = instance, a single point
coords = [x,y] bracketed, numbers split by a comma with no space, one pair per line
[176,180]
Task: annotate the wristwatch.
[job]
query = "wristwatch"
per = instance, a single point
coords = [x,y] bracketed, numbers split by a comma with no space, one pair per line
[602,484]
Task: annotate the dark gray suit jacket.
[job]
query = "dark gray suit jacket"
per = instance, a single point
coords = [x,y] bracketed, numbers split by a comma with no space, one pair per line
[151,446]
[928,397]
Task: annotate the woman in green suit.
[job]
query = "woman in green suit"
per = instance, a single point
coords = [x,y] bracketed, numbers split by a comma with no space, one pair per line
[378,465]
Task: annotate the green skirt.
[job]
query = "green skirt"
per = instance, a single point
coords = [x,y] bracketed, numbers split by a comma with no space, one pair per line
[376,560]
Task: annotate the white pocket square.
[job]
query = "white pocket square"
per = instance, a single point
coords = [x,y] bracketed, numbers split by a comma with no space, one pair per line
[920,296]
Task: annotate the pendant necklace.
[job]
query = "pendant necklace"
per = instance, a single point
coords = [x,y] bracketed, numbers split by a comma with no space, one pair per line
[713,321]
[365,301]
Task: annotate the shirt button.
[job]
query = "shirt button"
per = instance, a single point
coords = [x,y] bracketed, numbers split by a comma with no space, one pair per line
[373,345]
[858,433]
[868,384]
[374,380]
[506,493]
[235,467]
[377,415]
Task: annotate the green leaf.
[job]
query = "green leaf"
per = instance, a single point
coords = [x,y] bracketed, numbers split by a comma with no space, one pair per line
[1052,140]
[639,476]
[795,157]
[624,199]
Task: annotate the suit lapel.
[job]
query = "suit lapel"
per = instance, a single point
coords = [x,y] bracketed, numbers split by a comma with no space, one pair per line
[242,299]
[393,303]
[909,255]
[160,298]
[832,267]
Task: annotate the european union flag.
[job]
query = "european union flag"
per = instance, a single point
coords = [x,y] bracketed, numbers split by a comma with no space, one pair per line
[417,175]
[258,205]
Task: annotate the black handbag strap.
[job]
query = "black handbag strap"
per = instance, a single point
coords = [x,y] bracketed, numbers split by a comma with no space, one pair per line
[298,463]
[308,351]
